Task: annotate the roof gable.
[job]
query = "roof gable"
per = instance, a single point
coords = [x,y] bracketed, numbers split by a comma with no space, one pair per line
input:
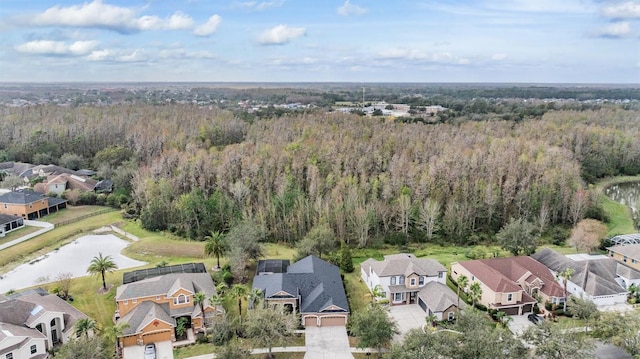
[404,264]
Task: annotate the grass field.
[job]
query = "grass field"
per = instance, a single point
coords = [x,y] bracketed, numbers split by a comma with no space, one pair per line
[18,233]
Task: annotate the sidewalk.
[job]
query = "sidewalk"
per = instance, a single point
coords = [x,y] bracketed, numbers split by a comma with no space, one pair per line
[46,227]
[285,350]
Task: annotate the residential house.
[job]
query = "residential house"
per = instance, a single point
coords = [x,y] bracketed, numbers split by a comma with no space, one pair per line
[153,306]
[401,276]
[9,223]
[310,286]
[33,322]
[29,204]
[509,284]
[437,299]
[628,255]
[61,182]
[599,279]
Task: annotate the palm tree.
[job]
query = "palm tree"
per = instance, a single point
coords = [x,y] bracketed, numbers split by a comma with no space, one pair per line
[565,275]
[377,292]
[199,299]
[502,318]
[239,291]
[431,319]
[475,292]
[84,326]
[255,297]
[221,288]
[215,246]
[115,332]
[217,301]
[100,265]
[463,281]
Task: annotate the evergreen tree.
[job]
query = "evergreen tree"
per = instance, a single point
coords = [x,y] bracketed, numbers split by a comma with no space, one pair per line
[346,262]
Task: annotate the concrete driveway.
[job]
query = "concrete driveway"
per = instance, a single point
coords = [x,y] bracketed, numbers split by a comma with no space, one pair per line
[408,317]
[327,343]
[164,350]
[519,323]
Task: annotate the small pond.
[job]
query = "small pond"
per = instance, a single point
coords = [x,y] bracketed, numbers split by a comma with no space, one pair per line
[625,193]
[72,258]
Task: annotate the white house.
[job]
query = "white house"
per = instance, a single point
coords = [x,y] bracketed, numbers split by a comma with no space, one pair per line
[596,278]
[401,276]
[33,322]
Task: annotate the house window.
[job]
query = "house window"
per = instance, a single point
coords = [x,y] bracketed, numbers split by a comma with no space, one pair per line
[181,299]
[509,297]
[157,297]
[610,254]
[125,302]
[413,281]
[9,356]
[421,281]
[473,278]
[393,280]
[440,275]
[634,261]
[401,279]
[34,349]
[397,297]
[625,259]
[134,301]
[5,205]
[451,315]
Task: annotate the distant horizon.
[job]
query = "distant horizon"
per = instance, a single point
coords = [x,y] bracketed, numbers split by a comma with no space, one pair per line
[359,83]
[328,41]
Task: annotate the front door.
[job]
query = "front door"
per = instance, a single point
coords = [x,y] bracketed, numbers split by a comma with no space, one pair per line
[412,297]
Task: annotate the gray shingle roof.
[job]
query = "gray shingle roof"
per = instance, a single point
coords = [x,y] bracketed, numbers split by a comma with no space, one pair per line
[7,218]
[167,285]
[438,296]
[596,277]
[403,264]
[145,313]
[22,196]
[318,283]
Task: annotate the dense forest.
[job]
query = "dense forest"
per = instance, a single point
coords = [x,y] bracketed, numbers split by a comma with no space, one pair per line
[195,169]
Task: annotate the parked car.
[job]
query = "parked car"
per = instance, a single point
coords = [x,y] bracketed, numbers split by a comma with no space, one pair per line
[150,351]
[535,319]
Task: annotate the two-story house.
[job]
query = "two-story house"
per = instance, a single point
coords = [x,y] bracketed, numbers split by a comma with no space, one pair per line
[33,322]
[153,306]
[29,204]
[509,284]
[401,276]
[311,286]
[628,254]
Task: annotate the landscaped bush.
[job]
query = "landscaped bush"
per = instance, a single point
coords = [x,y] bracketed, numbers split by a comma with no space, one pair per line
[221,331]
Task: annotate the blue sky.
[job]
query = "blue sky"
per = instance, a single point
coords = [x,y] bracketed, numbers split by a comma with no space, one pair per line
[542,41]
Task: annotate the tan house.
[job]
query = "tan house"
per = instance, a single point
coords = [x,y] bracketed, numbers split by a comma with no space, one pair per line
[153,307]
[510,284]
[628,255]
[29,204]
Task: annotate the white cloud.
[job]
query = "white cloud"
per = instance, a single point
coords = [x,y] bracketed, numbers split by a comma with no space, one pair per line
[60,48]
[107,55]
[625,10]
[208,27]
[180,21]
[281,35]
[499,57]
[97,14]
[415,55]
[259,5]
[348,9]
[617,29]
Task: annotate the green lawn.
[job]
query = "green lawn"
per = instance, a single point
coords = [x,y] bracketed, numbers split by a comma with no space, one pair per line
[620,221]
[18,233]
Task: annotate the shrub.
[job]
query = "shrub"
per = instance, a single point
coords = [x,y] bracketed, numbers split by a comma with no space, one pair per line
[227,277]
